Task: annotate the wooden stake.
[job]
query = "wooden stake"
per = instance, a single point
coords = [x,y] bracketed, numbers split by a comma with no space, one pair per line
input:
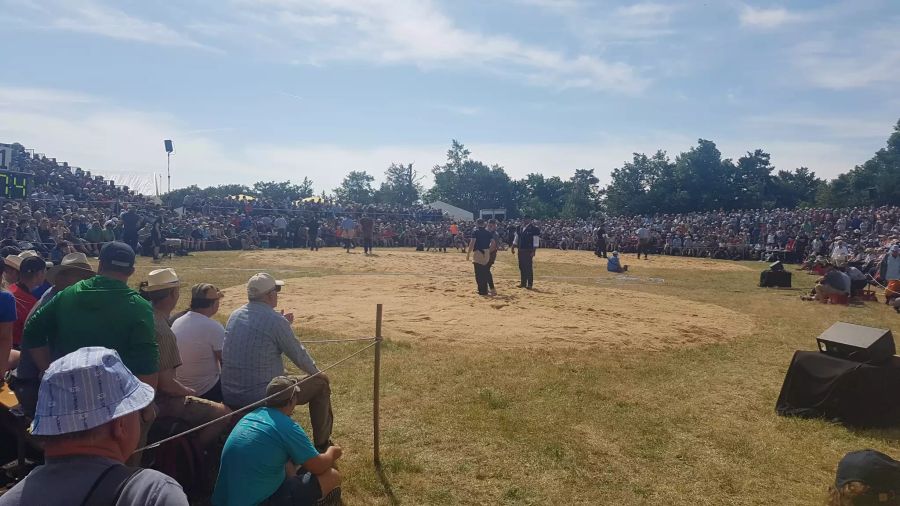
[377,386]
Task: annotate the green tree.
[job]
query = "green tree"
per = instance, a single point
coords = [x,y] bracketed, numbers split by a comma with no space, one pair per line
[582,200]
[357,188]
[283,192]
[541,197]
[752,181]
[470,184]
[401,186]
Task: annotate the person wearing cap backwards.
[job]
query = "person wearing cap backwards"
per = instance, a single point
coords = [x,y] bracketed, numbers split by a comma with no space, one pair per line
[73,268]
[889,272]
[866,478]
[99,311]
[173,399]
[263,453]
[88,419]
[200,341]
[256,336]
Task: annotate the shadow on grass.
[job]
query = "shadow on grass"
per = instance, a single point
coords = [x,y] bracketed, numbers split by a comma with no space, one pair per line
[386,485]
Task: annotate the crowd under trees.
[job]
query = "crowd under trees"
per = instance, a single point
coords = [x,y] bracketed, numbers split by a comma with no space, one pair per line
[698,179]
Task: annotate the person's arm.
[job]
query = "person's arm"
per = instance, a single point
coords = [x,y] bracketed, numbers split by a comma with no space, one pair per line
[218,354]
[6,329]
[470,248]
[169,385]
[150,379]
[290,346]
[324,461]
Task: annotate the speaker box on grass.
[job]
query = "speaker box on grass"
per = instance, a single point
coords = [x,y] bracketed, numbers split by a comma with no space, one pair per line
[858,343]
[781,279]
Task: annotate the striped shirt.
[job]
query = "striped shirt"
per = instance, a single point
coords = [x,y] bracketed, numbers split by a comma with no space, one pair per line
[255,338]
[169,357]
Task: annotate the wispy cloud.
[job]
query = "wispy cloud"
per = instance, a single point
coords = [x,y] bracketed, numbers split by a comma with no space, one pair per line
[834,127]
[855,60]
[768,18]
[95,18]
[418,32]
[30,97]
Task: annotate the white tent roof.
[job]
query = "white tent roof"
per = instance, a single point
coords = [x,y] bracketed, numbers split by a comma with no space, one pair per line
[453,211]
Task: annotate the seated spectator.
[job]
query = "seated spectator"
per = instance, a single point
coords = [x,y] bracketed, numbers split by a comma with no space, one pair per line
[865,477]
[834,282]
[9,357]
[73,268]
[255,338]
[269,459]
[173,399]
[32,271]
[94,239]
[87,440]
[858,281]
[200,340]
[614,265]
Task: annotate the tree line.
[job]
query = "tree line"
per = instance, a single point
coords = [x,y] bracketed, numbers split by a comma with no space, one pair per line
[698,179]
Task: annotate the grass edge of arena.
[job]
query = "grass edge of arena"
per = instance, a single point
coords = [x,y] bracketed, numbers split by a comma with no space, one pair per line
[376,400]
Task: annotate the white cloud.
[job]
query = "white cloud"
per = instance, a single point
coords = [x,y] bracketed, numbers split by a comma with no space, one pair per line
[767,18]
[10,96]
[833,127]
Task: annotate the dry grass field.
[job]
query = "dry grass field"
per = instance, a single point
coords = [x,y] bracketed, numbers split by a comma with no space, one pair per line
[653,388]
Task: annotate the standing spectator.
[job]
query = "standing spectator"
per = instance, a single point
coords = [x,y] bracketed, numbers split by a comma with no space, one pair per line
[200,341]
[131,223]
[527,238]
[269,459]
[890,273]
[256,336]
[643,236]
[312,233]
[87,438]
[367,227]
[348,230]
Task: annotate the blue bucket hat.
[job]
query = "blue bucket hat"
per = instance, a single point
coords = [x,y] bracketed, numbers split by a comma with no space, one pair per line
[85,389]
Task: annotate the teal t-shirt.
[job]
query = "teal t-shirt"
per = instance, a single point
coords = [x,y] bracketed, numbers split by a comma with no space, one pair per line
[254,456]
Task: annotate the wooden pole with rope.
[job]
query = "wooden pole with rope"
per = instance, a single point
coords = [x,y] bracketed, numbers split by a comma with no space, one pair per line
[377,388]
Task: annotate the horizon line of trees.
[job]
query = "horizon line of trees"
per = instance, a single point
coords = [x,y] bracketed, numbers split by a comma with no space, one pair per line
[698,179]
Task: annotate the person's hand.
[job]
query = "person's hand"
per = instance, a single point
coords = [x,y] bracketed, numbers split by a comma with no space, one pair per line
[336,451]
[533,252]
[288,316]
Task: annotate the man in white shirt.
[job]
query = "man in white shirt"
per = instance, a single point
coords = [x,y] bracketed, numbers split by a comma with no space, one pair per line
[200,340]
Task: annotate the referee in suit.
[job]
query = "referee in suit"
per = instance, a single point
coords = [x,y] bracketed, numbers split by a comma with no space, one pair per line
[526,238]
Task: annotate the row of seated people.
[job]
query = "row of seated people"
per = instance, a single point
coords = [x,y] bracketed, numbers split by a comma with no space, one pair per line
[98,364]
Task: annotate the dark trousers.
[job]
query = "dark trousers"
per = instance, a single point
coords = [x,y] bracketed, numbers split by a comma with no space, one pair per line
[367,244]
[526,267]
[643,247]
[213,394]
[491,274]
[601,249]
[482,276]
[317,393]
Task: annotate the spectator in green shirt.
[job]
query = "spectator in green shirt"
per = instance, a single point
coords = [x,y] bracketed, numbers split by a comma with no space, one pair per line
[94,238]
[99,311]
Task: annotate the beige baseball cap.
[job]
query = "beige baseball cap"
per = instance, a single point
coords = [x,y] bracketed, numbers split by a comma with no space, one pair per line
[261,284]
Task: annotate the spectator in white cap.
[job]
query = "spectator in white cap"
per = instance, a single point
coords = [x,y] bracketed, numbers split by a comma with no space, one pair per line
[88,418]
[256,336]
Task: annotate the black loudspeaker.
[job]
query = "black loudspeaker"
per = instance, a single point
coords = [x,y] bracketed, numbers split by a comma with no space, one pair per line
[773,278]
[168,144]
[855,342]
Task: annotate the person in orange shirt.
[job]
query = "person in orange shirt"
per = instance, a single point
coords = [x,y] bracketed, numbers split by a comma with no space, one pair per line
[454,230]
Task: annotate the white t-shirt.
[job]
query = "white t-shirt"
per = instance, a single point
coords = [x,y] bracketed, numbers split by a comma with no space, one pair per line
[198,338]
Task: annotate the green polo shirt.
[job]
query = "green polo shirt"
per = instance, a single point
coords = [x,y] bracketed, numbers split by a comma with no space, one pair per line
[99,311]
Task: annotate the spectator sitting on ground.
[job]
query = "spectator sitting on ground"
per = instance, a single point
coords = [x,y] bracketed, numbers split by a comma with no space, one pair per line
[834,282]
[255,338]
[172,398]
[200,341]
[88,437]
[269,459]
[865,477]
[72,269]
[614,265]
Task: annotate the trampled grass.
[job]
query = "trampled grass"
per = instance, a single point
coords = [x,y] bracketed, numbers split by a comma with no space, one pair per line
[479,425]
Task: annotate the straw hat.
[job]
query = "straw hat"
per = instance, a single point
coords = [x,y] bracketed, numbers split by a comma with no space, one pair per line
[161,279]
[15,261]
[71,262]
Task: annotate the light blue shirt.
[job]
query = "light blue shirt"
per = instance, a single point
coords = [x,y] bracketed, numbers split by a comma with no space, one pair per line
[893,266]
[254,456]
[255,338]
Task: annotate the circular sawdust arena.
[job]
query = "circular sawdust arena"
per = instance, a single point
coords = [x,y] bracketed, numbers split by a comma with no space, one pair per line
[429,298]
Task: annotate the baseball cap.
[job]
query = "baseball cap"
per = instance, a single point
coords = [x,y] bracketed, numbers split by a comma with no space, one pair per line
[261,284]
[32,264]
[875,469]
[118,254]
[284,387]
[85,389]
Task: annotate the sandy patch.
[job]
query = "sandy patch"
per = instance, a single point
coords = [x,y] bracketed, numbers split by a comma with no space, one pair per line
[400,261]
[447,310]
[654,262]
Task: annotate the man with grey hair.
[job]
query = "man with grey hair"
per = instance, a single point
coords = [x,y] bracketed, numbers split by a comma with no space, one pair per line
[88,419]
[256,337]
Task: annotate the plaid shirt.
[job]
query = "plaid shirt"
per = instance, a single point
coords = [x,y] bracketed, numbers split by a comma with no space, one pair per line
[255,338]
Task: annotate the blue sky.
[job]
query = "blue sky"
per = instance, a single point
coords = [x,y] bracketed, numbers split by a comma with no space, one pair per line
[282,89]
